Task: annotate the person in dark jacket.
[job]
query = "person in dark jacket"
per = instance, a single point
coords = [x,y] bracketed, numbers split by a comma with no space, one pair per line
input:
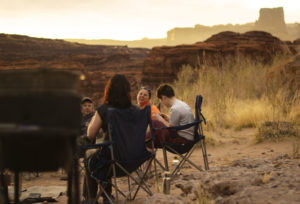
[87,111]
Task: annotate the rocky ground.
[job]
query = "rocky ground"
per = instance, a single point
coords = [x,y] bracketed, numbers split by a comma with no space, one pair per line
[242,181]
[240,172]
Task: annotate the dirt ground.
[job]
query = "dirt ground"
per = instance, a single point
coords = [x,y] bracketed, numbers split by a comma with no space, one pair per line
[230,146]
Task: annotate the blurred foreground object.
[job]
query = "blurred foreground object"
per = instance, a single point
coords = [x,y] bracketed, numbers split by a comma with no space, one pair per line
[39,122]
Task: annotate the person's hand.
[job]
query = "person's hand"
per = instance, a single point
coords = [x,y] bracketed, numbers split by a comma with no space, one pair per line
[160,117]
[164,116]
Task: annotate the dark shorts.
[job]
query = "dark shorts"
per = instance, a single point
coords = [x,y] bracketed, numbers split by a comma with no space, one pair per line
[163,135]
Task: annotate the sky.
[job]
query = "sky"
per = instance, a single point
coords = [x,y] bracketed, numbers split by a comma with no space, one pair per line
[128,19]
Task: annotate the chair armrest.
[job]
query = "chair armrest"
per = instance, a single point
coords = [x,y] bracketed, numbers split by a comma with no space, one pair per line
[94,146]
[180,127]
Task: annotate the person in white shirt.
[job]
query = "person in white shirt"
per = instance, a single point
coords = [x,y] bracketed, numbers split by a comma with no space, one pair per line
[180,114]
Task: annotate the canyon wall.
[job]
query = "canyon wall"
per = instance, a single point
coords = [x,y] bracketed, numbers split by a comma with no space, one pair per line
[95,63]
[163,63]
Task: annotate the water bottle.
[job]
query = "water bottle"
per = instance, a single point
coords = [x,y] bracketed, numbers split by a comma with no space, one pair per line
[166,182]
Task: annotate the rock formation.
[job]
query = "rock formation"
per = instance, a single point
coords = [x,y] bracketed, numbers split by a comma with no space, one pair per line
[272,20]
[142,66]
[163,63]
[96,63]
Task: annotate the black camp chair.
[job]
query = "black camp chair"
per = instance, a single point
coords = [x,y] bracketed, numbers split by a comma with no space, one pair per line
[125,152]
[186,150]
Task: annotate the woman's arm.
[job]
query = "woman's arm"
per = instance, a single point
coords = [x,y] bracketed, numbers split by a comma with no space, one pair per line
[94,126]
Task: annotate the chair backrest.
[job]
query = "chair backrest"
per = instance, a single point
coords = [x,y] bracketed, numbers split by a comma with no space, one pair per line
[128,131]
[198,117]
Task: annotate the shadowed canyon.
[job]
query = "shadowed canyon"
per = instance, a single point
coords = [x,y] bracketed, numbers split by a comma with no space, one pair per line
[142,66]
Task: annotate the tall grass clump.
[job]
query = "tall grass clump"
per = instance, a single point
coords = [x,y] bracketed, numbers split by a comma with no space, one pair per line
[239,94]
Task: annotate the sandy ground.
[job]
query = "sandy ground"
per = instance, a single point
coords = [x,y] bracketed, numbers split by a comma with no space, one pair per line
[231,145]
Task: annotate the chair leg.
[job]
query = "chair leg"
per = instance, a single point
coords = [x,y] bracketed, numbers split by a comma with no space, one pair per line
[204,155]
[155,171]
[73,183]
[142,179]
[165,159]
[102,189]
[160,164]
[129,187]
[17,187]
[181,163]
[3,189]
[76,182]
[115,181]
[183,160]
[70,183]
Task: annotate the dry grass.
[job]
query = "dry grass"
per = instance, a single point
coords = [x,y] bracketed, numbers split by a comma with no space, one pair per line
[203,197]
[267,177]
[239,95]
[296,149]
[275,131]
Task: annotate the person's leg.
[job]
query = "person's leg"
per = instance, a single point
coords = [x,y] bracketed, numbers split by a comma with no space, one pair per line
[90,188]
[174,138]
[159,135]
[108,188]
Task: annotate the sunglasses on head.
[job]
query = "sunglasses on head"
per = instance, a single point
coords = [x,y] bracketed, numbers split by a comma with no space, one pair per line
[145,88]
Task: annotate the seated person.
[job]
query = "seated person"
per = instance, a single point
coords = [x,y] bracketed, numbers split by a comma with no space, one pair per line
[143,98]
[87,111]
[180,114]
[117,94]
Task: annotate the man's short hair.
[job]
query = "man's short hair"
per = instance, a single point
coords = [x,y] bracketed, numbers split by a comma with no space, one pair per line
[86,99]
[165,90]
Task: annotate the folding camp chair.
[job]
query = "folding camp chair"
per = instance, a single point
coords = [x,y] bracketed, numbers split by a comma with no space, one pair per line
[184,151]
[127,152]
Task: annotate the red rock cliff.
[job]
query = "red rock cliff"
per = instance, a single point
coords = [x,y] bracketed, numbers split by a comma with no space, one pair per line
[142,66]
[97,63]
[163,63]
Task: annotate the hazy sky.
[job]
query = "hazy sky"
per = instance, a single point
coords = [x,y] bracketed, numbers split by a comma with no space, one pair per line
[128,19]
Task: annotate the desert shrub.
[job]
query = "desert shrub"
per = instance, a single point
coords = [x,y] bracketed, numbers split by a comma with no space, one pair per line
[239,94]
[275,131]
[293,113]
[248,113]
[296,149]
[203,196]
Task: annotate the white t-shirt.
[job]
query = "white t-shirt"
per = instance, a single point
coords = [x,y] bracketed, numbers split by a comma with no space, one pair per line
[182,114]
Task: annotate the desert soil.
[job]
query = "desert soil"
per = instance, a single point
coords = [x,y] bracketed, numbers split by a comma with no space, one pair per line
[241,171]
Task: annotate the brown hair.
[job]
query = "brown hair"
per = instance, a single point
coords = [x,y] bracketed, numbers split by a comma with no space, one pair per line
[165,90]
[117,92]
